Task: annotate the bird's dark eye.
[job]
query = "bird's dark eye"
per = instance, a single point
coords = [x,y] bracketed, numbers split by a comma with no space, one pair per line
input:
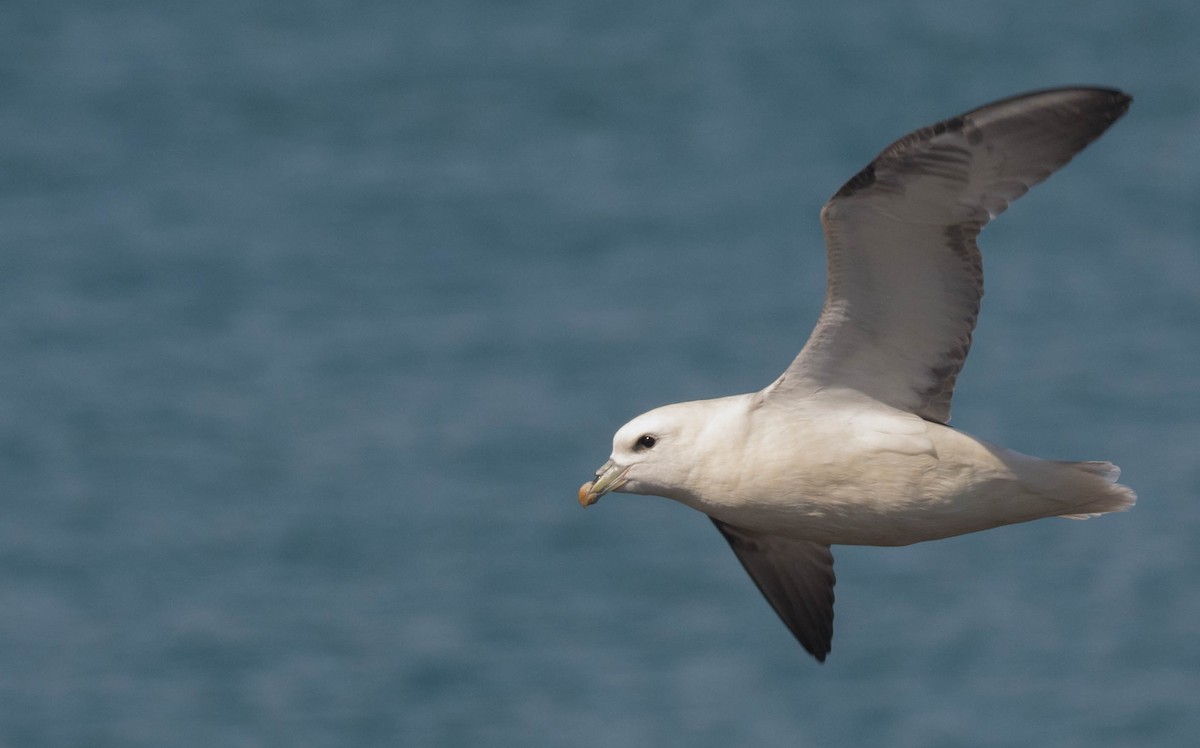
[645,441]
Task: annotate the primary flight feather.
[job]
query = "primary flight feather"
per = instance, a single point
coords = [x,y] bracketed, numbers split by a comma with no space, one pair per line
[851,445]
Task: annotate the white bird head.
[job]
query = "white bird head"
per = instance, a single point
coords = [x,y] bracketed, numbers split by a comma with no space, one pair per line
[661,451]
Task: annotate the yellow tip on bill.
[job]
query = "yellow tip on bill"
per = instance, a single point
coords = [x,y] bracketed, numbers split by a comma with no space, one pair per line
[586,497]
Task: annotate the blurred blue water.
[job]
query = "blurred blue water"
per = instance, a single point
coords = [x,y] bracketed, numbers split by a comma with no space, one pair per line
[316,314]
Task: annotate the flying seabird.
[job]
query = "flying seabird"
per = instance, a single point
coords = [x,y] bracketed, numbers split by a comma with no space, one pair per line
[851,445]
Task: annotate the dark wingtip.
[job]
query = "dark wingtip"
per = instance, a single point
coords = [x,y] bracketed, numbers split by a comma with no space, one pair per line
[1110,104]
[820,646]
[1104,107]
[1121,102]
[1116,102]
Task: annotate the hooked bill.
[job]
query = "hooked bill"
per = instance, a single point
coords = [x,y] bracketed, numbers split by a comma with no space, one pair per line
[584,490]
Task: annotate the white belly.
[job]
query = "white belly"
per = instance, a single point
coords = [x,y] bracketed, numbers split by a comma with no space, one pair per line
[884,479]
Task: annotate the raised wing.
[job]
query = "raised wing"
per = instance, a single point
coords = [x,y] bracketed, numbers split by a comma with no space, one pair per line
[904,273]
[796,577]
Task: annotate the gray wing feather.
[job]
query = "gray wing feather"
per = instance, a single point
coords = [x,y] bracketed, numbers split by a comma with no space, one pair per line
[795,576]
[905,276]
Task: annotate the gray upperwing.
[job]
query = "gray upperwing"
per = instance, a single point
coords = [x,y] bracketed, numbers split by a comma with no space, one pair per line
[905,276]
[796,577]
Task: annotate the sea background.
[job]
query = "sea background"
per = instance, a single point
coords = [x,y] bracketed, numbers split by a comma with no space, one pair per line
[315,315]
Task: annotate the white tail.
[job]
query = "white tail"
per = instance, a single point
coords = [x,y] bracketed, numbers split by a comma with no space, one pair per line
[1100,498]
